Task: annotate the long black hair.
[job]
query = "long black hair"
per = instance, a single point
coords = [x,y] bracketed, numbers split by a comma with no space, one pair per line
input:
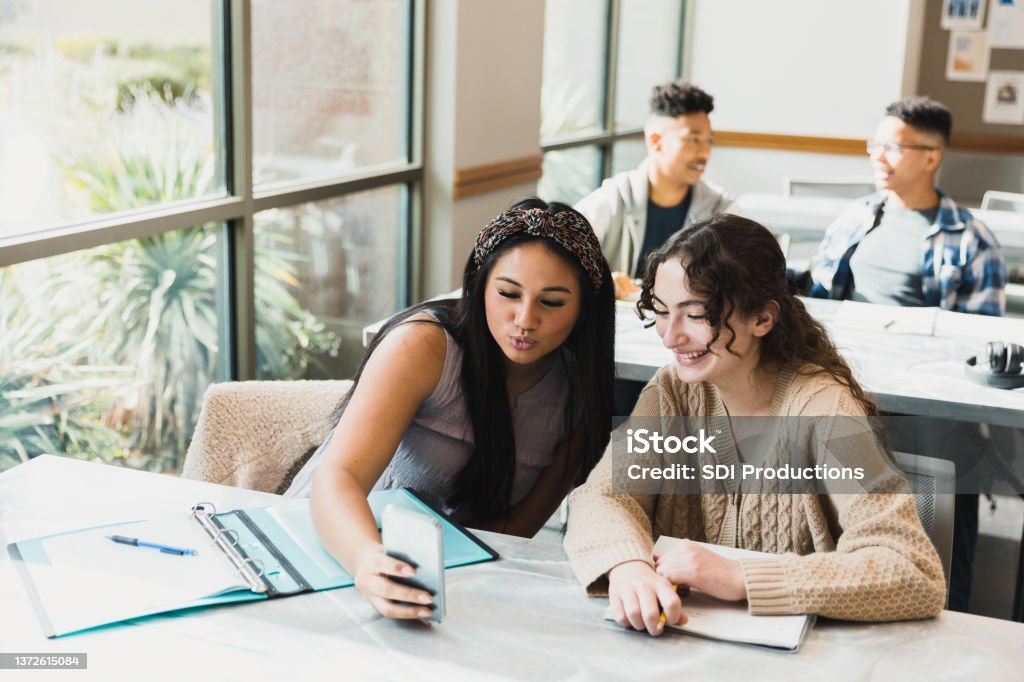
[484,485]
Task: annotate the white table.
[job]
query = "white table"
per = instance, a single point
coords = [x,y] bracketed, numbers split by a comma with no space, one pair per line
[523,617]
[905,373]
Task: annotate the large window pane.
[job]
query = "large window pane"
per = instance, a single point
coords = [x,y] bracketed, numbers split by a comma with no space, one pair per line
[649,36]
[105,105]
[627,154]
[573,85]
[570,174]
[341,261]
[106,353]
[110,105]
[330,87]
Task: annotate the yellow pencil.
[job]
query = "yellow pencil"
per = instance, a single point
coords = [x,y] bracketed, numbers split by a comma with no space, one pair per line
[661,618]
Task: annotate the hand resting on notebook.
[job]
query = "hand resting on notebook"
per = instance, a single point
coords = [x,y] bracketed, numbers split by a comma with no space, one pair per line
[687,563]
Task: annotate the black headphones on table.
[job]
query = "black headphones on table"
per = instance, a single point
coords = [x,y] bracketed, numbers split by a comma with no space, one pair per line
[1002,368]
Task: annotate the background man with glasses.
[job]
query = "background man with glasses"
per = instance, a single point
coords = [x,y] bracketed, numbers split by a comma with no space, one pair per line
[636,211]
[909,243]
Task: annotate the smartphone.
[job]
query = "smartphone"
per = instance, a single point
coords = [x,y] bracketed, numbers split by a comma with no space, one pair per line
[418,540]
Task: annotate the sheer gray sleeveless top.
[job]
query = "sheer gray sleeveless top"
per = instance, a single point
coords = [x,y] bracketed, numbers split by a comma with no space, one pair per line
[438,442]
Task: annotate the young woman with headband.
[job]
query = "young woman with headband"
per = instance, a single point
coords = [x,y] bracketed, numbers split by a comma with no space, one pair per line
[494,404]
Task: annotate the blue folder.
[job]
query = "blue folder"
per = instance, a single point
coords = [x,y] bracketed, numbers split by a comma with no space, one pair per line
[259,553]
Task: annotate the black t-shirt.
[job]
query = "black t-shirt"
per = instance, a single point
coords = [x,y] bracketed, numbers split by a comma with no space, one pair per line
[662,223]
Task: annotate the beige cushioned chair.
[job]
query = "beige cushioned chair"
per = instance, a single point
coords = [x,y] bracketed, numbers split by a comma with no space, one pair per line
[251,432]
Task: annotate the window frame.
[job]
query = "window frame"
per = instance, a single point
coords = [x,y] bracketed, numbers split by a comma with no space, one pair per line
[234,213]
[605,140]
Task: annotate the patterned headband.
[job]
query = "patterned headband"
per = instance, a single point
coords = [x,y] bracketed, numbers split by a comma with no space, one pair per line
[567,228]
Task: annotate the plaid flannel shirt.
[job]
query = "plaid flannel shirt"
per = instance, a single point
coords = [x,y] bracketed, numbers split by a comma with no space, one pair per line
[962,266]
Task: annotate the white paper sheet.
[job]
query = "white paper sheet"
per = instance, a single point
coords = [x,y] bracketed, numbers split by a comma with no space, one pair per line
[967,59]
[1006,24]
[85,578]
[968,15]
[1004,98]
[890,318]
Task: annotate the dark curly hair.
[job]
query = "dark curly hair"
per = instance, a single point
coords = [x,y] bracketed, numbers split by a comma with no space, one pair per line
[924,114]
[678,98]
[735,265]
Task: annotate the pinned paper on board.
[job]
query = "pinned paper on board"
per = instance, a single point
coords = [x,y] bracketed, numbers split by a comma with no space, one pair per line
[963,15]
[967,59]
[1006,24]
[1004,98]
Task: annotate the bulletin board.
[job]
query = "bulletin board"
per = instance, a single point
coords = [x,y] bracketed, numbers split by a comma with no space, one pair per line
[966,99]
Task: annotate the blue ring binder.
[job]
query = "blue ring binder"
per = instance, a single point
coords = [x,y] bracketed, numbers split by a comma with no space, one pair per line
[275,551]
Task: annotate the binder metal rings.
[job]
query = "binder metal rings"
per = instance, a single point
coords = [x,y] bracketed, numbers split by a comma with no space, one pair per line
[230,532]
[256,562]
[204,514]
[204,508]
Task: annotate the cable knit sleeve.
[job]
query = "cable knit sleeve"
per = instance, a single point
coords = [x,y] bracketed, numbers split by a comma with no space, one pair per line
[606,529]
[883,566]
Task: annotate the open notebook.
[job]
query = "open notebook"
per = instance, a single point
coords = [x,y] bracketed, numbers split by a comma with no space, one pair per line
[80,579]
[731,621]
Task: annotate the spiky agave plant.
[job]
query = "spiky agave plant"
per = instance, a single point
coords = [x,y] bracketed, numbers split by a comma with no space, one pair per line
[154,299]
[51,400]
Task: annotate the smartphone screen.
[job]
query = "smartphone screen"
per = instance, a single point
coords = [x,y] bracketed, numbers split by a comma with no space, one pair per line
[417,539]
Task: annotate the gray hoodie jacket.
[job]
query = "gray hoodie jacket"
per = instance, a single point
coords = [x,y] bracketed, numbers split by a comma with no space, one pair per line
[617,210]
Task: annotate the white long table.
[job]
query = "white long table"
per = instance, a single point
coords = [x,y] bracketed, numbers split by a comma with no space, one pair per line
[523,617]
[905,373]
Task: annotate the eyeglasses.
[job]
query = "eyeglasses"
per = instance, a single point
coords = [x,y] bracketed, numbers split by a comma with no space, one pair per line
[698,141]
[895,149]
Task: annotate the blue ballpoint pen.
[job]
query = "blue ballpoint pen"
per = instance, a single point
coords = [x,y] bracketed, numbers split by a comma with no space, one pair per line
[120,539]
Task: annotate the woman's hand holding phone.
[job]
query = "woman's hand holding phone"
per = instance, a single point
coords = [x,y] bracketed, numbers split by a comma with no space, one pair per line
[416,541]
[375,577]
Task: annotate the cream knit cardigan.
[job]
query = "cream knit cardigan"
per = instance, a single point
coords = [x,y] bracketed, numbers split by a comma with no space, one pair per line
[848,556]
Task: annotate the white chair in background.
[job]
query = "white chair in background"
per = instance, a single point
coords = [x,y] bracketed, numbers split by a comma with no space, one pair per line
[851,187]
[250,433]
[1002,201]
[933,483]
